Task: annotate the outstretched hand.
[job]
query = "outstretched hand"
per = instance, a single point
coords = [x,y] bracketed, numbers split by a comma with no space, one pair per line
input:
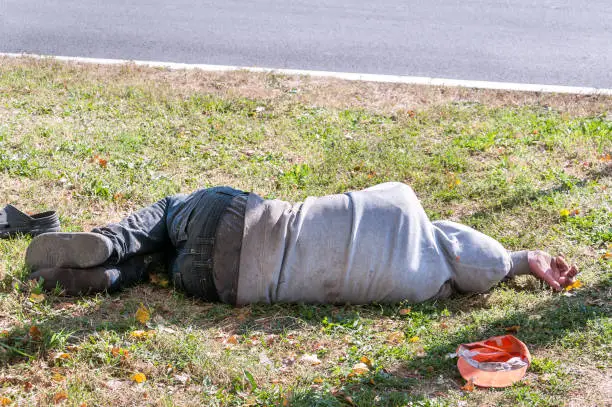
[555,271]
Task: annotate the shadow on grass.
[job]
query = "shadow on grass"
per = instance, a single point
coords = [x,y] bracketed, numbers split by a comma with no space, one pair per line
[561,320]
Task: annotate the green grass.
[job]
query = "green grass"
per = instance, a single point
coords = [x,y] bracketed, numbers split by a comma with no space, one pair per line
[96,145]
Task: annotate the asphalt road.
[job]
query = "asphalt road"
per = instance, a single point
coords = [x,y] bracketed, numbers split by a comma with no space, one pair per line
[557,42]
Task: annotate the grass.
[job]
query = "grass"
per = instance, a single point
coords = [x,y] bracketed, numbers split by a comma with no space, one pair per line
[98,142]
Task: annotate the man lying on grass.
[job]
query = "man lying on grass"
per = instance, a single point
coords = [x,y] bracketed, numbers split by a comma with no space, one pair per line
[374,245]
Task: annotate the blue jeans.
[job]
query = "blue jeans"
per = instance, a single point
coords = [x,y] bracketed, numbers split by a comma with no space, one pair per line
[201,232]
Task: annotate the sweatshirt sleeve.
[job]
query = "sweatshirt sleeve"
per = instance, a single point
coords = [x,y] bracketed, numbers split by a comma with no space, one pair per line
[520,263]
[478,262]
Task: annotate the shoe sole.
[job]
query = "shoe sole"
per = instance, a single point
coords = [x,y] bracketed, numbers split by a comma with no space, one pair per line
[80,250]
[26,232]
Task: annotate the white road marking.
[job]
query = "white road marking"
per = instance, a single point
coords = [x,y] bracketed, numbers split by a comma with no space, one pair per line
[349,76]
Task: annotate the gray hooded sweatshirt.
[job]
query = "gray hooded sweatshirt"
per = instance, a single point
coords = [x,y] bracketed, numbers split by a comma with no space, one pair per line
[374,245]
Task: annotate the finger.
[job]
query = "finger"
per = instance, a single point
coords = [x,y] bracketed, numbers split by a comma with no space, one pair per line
[550,280]
[573,271]
[562,264]
[565,281]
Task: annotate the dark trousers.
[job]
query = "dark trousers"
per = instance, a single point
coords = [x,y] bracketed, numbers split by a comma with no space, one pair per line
[201,234]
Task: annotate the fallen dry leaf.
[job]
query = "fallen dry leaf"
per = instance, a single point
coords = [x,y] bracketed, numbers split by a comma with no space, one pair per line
[360,368]
[142,335]
[120,352]
[35,333]
[142,314]
[366,360]
[404,311]
[574,285]
[62,355]
[312,359]
[37,298]
[60,396]
[58,377]
[233,339]
[469,386]
[182,378]
[395,338]
[139,377]
[243,314]
[512,329]
[159,280]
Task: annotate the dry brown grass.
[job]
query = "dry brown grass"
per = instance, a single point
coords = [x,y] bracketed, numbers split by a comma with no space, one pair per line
[316,91]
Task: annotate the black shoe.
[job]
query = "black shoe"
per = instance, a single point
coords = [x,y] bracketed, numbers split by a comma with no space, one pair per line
[73,281]
[14,222]
[79,249]
[77,281]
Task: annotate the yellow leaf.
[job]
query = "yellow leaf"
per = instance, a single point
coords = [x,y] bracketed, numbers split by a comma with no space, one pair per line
[37,298]
[139,377]
[57,377]
[414,339]
[404,311]
[395,338]
[564,213]
[360,368]
[60,396]
[575,284]
[5,401]
[142,314]
[366,360]
[140,334]
[160,280]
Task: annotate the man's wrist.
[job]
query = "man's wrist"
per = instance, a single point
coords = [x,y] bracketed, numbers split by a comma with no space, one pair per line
[520,263]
